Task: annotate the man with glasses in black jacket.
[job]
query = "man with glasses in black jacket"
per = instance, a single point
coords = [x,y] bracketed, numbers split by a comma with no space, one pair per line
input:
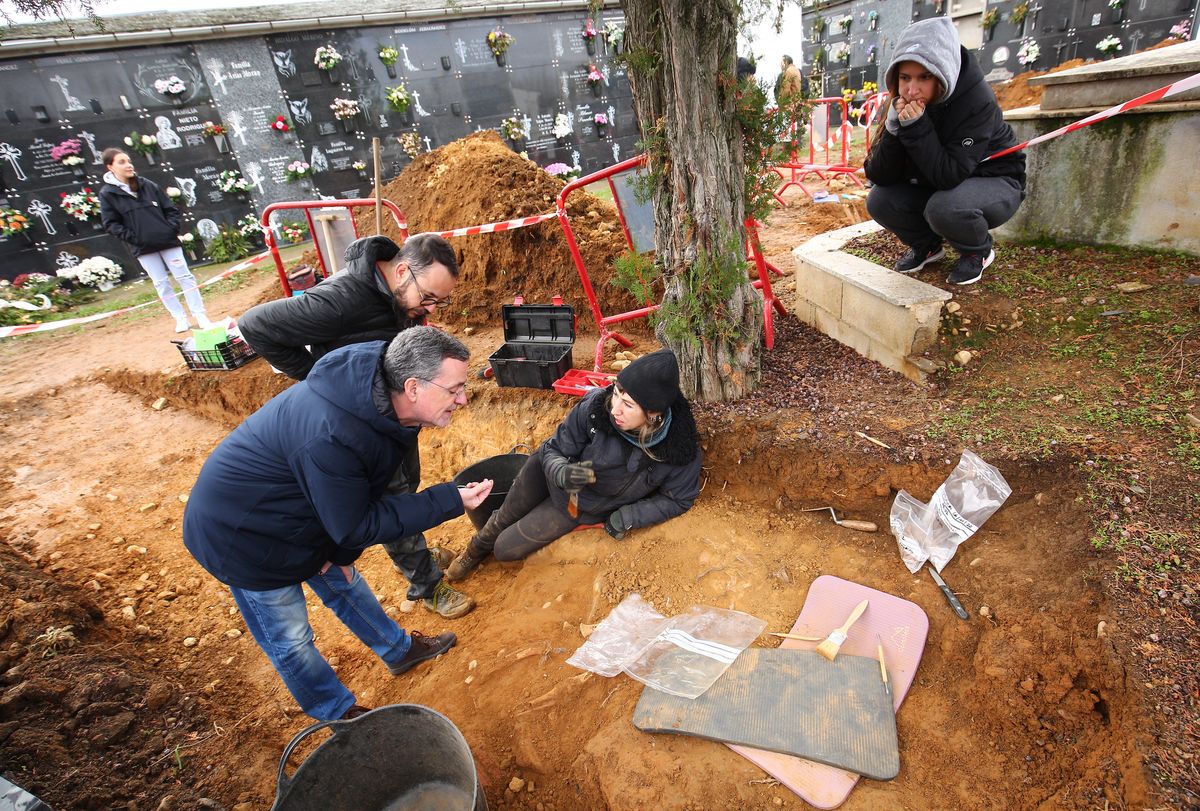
[383,290]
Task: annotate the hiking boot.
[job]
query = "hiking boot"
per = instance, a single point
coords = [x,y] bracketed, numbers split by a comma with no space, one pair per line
[441,559]
[917,258]
[354,712]
[463,565]
[441,556]
[422,648]
[970,268]
[448,601]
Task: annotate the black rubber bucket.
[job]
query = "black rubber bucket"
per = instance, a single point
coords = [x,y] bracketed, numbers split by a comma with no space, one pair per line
[502,470]
[403,757]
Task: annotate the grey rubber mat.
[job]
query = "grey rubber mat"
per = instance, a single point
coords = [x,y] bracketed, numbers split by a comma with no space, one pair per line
[790,701]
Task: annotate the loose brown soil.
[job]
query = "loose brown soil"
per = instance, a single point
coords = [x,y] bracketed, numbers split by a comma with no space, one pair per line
[1026,708]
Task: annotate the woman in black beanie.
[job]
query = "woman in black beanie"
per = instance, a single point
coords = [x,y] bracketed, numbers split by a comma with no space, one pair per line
[627,456]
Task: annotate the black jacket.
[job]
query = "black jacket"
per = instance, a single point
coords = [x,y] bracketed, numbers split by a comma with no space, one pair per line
[350,307]
[147,223]
[304,481]
[946,145]
[654,490]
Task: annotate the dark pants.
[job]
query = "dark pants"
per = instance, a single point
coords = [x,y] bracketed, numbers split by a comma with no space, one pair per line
[411,554]
[527,520]
[921,216]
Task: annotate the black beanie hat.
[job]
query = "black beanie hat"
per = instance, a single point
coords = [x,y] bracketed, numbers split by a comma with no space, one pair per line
[652,380]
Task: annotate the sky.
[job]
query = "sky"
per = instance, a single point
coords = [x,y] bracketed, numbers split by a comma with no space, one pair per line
[115,7]
[768,47]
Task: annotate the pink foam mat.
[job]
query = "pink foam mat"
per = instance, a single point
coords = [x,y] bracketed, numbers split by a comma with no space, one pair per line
[900,624]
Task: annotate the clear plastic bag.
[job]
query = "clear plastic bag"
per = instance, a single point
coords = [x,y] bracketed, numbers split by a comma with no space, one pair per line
[972,492]
[682,655]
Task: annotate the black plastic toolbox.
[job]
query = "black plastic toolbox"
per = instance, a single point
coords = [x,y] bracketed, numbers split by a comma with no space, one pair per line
[538,343]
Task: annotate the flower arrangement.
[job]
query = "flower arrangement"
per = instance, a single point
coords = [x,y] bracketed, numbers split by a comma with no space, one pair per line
[294,232]
[398,98]
[12,222]
[1019,13]
[173,192]
[82,205]
[327,57]
[231,182]
[563,172]
[388,55]
[344,109]
[31,279]
[594,76]
[562,125]
[187,239]
[250,226]
[1029,52]
[872,53]
[869,88]
[1182,30]
[359,166]
[1115,3]
[818,58]
[95,271]
[499,41]
[67,152]
[818,27]
[410,142]
[211,130]
[842,52]
[600,119]
[142,144]
[872,19]
[990,18]
[174,86]
[281,124]
[297,170]
[844,23]
[589,31]
[1109,45]
[512,128]
[614,34]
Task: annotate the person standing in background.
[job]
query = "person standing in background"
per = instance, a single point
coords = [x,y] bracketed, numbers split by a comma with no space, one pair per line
[135,211]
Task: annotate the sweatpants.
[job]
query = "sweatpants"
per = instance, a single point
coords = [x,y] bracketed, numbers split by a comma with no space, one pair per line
[160,266]
[921,216]
[527,520]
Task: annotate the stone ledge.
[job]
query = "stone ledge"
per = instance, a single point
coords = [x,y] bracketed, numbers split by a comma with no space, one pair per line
[886,316]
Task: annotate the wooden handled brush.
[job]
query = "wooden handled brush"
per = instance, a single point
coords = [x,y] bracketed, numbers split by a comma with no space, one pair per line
[837,637]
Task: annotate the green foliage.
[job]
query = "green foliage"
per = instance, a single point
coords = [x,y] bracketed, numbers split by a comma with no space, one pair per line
[654,144]
[767,136]
[700,314]
[229,244]
[636,273]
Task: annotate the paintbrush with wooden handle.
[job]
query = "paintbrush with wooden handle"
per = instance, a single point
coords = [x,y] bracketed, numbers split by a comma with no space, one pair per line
[837,637]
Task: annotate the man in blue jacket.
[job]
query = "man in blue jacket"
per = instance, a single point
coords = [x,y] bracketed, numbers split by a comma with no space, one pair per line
[298,491]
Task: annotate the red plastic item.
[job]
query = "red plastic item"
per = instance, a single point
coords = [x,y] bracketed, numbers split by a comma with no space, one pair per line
[579,382]
[826,168]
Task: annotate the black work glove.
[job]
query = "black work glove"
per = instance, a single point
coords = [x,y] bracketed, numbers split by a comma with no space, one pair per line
[618,524]
[574,476]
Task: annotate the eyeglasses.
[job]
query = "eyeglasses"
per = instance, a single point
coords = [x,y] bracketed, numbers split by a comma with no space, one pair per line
[428,300]
[453,392]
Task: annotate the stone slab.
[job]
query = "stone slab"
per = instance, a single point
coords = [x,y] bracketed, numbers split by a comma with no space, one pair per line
[1114,81]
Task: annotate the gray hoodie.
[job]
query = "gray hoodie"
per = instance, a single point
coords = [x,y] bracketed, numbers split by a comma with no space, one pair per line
[109,177]
[933,43]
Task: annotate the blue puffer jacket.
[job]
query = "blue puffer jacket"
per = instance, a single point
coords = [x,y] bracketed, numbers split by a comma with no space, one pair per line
[302,480]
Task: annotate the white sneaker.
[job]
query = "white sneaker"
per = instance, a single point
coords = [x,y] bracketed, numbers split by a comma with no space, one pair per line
[181,324]
[203,322]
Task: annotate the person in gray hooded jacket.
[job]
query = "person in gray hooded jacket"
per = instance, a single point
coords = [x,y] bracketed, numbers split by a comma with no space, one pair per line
[931,179]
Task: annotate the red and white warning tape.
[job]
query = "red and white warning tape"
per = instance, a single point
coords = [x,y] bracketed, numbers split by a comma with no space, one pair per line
[493,227]
[27,329]
[1173,89]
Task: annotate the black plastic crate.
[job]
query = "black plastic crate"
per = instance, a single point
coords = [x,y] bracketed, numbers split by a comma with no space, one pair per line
[229,354]
[539,341]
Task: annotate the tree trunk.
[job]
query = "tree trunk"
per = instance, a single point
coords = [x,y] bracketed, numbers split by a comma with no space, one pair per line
[682,64]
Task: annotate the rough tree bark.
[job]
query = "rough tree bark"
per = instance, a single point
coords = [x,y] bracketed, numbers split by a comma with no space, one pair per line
[682,56]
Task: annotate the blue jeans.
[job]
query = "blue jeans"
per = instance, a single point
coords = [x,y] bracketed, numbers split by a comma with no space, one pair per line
[278,621]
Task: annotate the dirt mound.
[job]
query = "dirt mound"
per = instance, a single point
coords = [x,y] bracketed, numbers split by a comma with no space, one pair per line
[478,180]
[1017,92]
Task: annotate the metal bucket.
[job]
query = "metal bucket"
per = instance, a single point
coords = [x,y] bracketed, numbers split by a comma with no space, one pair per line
[502,470]
[403,757]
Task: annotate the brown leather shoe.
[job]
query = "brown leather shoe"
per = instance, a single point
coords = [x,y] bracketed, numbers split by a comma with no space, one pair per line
[422,648]
[463,565]
[355,711]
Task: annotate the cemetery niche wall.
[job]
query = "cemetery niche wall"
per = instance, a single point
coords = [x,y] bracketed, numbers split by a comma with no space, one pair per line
[454,84]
